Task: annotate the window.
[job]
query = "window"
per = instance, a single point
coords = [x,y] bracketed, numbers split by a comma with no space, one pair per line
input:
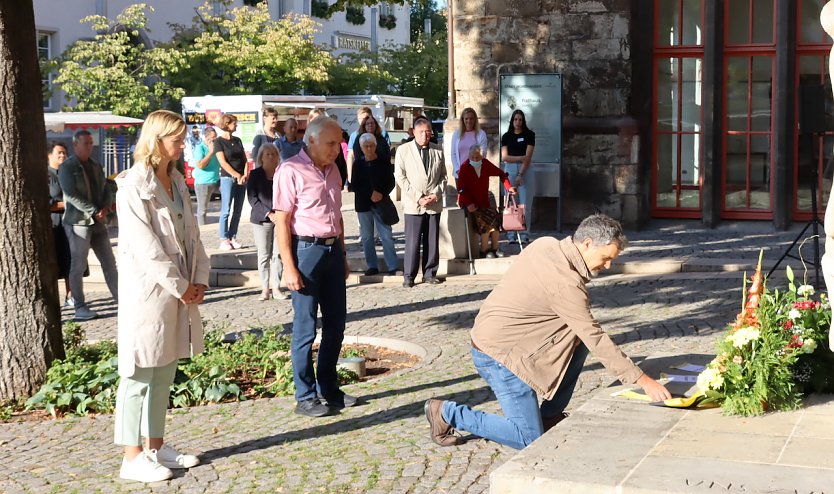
[812,151]
[749,74]
[44,54]
[385,9]
[678,111]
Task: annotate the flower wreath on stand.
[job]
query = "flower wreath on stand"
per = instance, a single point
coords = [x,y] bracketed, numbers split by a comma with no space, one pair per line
[774,352]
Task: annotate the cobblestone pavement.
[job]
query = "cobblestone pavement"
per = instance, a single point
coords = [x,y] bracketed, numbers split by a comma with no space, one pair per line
[382,446]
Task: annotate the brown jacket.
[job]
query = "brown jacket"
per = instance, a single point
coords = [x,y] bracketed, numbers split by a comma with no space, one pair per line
[537,315]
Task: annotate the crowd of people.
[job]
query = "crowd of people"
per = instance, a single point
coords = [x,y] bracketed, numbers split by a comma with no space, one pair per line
[530,338]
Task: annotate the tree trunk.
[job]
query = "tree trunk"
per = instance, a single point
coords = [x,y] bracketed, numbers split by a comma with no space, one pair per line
[30,319]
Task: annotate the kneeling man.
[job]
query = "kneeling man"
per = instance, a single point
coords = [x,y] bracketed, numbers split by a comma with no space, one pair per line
[532,335]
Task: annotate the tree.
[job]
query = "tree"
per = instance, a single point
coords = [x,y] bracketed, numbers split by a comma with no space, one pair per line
[420,69]
[117,70]
[30,333]
[244,51]
[427,9]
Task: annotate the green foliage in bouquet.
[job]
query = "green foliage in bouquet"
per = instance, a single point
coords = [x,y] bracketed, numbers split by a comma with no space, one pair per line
[773,353]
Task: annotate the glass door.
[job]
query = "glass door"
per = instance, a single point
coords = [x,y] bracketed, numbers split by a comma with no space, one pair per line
[813,161]
[678,110]
[749,65]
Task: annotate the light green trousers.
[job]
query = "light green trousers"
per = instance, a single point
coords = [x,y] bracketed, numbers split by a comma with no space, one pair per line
[141,404]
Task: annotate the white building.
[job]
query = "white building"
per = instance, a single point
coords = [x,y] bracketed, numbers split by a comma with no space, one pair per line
[57,22]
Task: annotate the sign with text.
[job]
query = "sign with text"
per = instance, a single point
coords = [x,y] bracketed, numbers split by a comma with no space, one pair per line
[539,96]
[343,41]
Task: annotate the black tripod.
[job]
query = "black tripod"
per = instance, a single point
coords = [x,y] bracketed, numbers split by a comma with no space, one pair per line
[814,224]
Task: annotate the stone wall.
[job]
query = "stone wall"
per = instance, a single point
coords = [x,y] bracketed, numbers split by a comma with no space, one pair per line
[588,42]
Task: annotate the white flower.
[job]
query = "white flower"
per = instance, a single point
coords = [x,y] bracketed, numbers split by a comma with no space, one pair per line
[809,345]
[805,291]
[794,314]
[710,378]
[743,336]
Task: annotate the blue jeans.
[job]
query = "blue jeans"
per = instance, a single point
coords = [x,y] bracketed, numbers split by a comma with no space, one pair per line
[230,192]
[512,170]
[522,423]
[322,269]
[367,221]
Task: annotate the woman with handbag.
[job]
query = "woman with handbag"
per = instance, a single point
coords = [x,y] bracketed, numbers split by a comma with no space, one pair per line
[372,182]
[517,146]
[473,188]
[164,272]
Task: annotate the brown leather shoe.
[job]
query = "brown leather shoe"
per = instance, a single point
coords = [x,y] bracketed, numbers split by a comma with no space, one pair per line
[551,422]
[441,432]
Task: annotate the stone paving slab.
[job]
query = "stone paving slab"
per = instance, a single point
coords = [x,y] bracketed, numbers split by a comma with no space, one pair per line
[612,444]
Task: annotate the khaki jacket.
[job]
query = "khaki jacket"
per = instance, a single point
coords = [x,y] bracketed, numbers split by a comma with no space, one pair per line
[539,313]
[155,268]
[415,183]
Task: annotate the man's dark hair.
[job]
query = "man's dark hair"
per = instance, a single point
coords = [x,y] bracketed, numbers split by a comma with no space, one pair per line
[79,134]
[602,230]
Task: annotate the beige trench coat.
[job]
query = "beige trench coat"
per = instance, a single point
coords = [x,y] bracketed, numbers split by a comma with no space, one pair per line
[155,327]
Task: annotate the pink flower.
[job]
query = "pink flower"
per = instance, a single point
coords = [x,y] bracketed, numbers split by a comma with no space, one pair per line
[738,359]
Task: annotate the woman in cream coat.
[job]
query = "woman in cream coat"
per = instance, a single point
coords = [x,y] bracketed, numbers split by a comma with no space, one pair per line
[163,276]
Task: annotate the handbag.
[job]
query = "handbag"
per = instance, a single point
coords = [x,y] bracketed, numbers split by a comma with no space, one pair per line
[514,219]
[387,210]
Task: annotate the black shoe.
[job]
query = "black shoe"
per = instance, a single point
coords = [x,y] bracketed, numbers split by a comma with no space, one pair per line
[433,281]
[371,272]
[393,272]
[312,408]
[340,400]
[408,283]
[490,255]
[499,253]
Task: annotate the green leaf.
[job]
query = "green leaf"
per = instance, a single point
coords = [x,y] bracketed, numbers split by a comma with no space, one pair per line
[789,274]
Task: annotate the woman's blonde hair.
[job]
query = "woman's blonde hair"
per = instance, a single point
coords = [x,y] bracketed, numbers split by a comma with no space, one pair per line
[259,160]
[463,124]
[159,124]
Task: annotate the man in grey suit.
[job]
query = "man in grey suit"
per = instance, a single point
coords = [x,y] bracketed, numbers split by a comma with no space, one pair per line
[420,172]
[87,201]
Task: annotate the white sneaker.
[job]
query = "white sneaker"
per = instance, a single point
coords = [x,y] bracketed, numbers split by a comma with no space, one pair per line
[83,313]
[226,245]
[280,294]
[171,458]
[145,468]
[69,302]
[236,244]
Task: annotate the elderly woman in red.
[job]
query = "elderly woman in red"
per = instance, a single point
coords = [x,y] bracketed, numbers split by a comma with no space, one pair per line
[473,188]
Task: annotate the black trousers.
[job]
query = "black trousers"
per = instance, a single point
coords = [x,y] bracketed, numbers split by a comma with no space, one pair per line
[422,233]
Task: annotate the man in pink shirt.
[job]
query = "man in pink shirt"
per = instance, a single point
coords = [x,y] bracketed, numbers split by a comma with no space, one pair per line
[307,198]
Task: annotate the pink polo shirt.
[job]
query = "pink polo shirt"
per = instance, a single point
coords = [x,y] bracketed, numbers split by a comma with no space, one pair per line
[313,198]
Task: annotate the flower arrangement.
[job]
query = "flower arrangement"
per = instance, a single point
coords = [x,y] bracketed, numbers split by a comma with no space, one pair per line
[355,15]
[388,21]
[774,352]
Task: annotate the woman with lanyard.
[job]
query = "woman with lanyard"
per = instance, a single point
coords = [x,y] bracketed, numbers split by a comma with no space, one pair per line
[517,146]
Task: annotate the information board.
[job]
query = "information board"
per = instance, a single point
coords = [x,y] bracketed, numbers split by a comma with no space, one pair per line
[539,96]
